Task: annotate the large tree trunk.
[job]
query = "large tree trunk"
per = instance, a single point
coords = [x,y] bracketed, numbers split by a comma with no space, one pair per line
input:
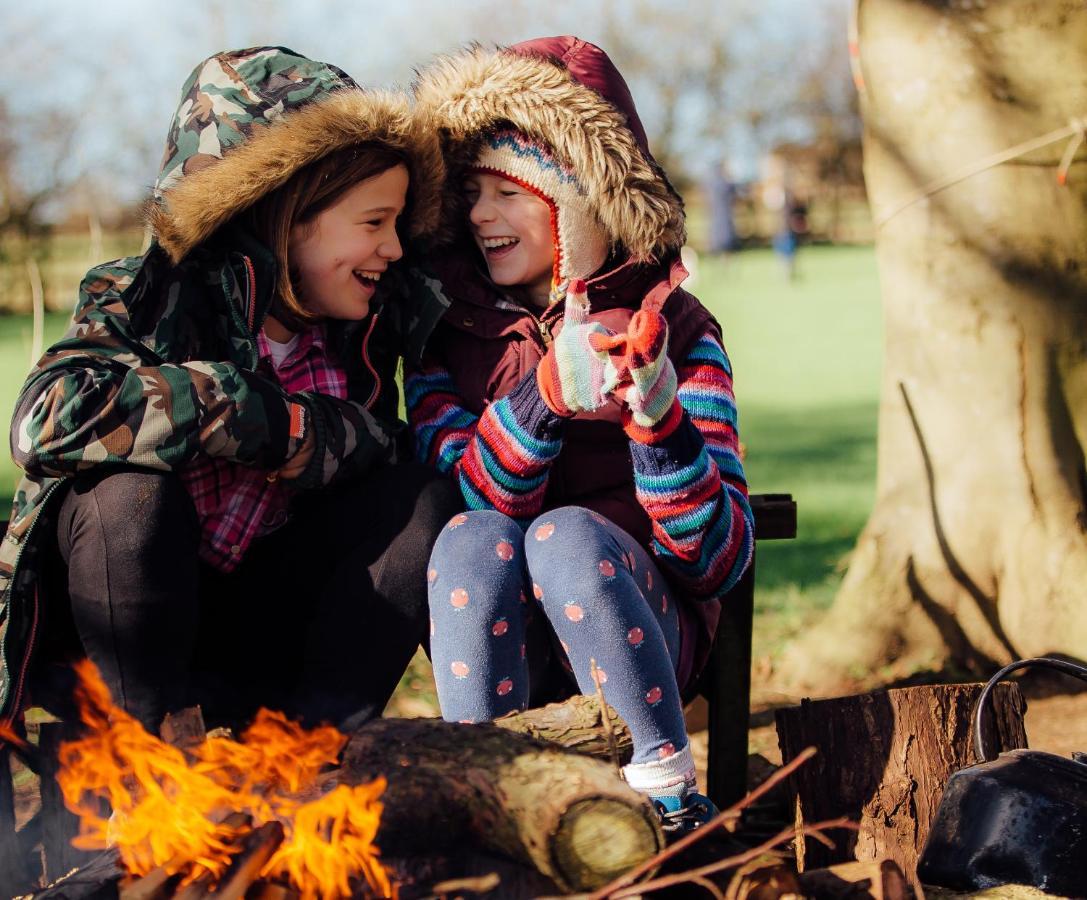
[976,551]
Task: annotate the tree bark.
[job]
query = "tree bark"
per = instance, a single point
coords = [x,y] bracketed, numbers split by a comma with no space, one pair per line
[884,760]
[568,815]
[975,552]
[575,724]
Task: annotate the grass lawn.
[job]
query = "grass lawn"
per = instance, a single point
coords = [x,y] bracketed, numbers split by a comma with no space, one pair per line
[15,340]
[806,357]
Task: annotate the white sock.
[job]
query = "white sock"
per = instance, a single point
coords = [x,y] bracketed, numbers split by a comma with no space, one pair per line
[673,776]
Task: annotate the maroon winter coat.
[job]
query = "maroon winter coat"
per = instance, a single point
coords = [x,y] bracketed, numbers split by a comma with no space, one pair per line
[566,93]
[489,344]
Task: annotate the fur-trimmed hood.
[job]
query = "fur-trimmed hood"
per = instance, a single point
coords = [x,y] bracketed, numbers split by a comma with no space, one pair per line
[567,93]
[249,119]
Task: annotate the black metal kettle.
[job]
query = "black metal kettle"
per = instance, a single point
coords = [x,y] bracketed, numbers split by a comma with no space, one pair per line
[1018,819]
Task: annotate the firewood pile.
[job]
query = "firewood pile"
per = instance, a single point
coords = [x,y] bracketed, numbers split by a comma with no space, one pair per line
[530,806]
[760,870]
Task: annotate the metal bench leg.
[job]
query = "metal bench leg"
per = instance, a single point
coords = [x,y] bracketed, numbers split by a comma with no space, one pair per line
[728,694]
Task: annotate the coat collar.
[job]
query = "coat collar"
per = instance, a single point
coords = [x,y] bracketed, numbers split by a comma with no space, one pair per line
[628,285]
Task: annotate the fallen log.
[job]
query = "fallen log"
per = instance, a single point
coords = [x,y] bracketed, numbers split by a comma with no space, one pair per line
[569,816]
[884,759]
[468,873]
[466,789]
[574,723]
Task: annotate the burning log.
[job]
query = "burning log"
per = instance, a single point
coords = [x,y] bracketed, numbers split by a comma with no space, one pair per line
[884,759]
[257,849]
[184,729]
[311,808]
[569,816]
[265,891]
[158,884]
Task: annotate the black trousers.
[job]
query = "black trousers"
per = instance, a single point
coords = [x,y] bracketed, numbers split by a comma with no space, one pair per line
[319,620]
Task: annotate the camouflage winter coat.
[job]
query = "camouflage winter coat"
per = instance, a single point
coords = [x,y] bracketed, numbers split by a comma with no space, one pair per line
[159,363]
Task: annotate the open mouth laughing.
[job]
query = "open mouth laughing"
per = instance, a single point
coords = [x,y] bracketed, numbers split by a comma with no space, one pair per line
[368,278]
[497,247]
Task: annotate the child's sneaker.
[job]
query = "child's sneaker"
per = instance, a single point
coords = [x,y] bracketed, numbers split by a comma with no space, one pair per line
[678,816]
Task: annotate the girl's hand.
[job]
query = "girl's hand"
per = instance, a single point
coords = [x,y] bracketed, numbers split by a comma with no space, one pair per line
[647,383]
[572,376]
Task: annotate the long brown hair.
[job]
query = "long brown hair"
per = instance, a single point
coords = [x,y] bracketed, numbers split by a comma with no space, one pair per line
[303,197]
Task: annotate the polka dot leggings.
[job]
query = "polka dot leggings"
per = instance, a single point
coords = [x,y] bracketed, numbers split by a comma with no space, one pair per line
[602,595]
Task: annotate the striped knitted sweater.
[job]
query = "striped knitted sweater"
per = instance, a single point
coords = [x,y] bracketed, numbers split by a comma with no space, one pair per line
[691,484]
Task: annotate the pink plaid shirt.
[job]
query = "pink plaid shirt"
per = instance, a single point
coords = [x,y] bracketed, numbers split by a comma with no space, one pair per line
[237,503]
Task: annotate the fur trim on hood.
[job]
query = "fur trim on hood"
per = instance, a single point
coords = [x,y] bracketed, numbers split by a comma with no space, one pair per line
[242,131]
[593,129]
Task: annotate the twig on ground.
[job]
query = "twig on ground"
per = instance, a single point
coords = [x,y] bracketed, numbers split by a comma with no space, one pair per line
[728,815]
[730,862]
[709,886]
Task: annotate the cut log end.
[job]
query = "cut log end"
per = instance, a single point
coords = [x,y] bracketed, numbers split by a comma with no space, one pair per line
[601,838]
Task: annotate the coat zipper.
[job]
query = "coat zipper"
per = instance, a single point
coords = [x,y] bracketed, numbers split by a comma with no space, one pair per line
[250,292]
[376,392]
[9,720]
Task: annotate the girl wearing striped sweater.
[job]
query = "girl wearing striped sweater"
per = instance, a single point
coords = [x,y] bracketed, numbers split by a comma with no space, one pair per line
[582,400]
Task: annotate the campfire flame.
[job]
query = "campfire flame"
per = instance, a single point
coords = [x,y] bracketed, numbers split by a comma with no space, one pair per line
[169,807]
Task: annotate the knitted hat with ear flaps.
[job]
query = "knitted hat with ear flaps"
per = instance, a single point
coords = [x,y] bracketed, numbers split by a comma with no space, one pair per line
[566,94]
[580,242]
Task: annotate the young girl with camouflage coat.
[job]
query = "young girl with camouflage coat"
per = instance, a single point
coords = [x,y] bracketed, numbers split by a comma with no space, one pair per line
[209,510]
[582,400]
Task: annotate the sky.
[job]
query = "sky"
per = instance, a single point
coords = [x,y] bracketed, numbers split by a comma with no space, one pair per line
[112,69]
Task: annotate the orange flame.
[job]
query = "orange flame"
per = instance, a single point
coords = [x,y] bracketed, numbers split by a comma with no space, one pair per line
[168,807]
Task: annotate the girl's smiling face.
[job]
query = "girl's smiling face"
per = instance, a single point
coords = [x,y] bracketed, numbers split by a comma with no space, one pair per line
[339,256]
[512,226]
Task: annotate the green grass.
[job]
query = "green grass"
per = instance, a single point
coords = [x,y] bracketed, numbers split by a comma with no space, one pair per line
[15,340]
[806,356]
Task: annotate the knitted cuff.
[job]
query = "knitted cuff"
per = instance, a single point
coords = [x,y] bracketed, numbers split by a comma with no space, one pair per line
[670,455]
[654,434]
[549,387]
[532,412]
